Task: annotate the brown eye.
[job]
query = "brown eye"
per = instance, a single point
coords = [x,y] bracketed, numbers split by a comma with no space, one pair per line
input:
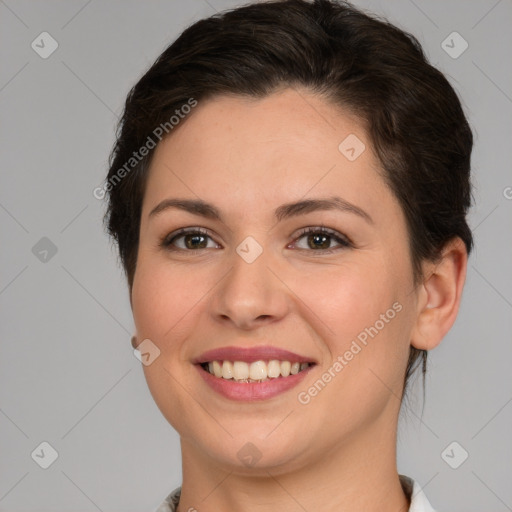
[189,239]
[320,240]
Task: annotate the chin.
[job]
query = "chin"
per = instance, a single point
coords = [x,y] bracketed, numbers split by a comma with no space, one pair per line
[252,452]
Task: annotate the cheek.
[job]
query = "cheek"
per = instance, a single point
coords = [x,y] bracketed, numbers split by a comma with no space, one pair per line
[349,298]
[362,374]
[163,301]
[164,296]
[360,312]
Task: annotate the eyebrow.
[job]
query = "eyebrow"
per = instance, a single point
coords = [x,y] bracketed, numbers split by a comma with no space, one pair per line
[285,211]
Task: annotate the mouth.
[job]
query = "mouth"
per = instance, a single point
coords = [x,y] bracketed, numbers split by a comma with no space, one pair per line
[257,371]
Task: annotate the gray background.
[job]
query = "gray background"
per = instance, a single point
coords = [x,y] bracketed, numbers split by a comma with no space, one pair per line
[68,373]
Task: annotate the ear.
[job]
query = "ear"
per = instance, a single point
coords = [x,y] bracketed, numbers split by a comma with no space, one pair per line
[440,295]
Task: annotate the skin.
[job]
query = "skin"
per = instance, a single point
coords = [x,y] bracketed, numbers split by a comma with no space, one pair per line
[248,157]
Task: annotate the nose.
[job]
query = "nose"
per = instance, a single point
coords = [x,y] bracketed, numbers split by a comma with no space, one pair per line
[251,294]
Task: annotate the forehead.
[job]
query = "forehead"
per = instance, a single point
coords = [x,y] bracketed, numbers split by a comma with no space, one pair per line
[288,145]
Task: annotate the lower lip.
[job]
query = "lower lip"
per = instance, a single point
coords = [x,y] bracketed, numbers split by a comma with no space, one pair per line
[252,391]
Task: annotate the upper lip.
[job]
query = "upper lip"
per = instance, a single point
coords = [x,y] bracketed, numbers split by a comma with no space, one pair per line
[249,355]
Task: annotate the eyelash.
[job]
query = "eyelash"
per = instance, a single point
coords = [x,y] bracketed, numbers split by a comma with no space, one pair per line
[344,242]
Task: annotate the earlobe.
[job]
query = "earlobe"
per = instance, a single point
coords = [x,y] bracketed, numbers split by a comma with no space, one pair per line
[440,296]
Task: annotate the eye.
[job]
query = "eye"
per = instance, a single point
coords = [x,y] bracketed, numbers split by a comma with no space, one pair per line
[319,239]
[193,238]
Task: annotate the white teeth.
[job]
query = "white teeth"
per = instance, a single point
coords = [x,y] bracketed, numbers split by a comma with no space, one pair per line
[257,371]
[273,369]
[227,370]
[285,368]
[217,369]
[295,368]
[240,370]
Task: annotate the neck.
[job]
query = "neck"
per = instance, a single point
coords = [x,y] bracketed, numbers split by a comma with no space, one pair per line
[360,475]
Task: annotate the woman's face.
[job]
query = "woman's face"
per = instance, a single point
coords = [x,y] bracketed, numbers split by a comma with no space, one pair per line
[343,300]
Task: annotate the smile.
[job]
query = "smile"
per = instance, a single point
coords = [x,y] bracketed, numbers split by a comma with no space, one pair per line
[256,371]
[252,373]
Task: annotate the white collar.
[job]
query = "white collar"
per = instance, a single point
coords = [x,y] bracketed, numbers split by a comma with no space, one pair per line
[419,502]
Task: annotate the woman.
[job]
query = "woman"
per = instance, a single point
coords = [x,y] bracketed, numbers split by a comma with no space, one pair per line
[288,191]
